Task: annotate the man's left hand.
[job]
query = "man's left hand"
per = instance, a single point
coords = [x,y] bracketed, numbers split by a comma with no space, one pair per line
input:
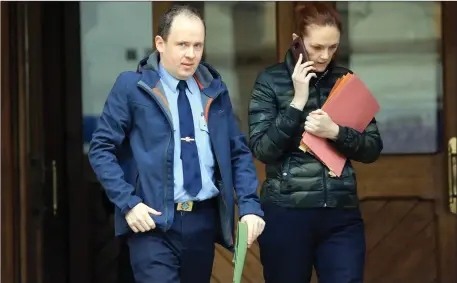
[255,227]
[320,124]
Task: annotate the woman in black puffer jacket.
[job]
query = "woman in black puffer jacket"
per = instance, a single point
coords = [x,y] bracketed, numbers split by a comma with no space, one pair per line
[312,217]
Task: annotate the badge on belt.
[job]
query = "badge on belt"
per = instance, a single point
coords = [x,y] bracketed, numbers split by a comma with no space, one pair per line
[185,206]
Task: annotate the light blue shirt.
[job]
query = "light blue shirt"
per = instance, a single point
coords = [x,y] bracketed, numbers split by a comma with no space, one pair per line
[209,190]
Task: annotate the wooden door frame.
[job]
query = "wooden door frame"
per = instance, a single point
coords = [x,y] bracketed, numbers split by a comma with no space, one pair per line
[284,27]
[10,176]
[19,125]
[16,221]
[448,223]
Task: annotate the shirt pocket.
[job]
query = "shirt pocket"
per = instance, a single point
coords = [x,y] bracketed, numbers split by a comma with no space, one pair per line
[204,144]
[203,125]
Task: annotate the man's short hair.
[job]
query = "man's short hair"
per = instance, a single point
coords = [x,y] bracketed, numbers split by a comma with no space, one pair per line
[166,20]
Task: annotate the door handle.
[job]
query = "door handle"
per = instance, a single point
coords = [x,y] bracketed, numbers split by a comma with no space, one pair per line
[452,163]
[54,187]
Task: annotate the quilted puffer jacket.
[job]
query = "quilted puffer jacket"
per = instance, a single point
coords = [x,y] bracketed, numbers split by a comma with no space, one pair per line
[295,178]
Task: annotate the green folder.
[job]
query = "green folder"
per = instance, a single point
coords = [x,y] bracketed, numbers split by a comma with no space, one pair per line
[241,246]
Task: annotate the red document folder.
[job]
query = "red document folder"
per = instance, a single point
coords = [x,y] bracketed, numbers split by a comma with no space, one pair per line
[349,104]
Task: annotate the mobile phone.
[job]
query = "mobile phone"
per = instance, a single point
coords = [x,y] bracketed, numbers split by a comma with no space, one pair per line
[297,48]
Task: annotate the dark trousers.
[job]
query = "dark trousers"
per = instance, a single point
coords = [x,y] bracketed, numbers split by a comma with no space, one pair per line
[183,254]
[294,240]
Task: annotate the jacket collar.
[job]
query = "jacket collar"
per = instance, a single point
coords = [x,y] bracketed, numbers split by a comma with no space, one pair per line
[208,79]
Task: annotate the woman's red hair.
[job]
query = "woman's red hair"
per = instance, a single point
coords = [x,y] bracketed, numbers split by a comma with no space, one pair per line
[315,13]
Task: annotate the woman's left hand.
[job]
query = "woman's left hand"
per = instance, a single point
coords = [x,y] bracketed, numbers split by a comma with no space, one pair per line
[320,124]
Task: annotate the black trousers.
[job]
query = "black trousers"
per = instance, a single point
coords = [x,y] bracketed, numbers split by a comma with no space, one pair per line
[295,240]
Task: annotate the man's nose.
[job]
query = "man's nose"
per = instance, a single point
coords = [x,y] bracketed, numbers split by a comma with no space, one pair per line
[190,52]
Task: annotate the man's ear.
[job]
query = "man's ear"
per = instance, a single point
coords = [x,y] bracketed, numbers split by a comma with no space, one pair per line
[294,36]
[160,43]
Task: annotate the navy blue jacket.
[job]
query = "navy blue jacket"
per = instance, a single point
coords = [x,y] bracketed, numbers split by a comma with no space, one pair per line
[131,150]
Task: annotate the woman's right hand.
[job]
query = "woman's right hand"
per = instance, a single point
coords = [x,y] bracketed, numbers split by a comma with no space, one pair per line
[300,78]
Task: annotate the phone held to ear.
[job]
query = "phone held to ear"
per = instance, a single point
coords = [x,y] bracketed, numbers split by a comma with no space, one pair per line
[297,48]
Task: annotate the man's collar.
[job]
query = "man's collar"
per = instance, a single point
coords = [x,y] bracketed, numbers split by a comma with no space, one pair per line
[169,80]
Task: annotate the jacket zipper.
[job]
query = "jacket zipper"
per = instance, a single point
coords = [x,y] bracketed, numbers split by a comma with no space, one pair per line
[324,175]
[166,184]
[316,84]
[217,161]
[324,181]
[141,84]
[213,147]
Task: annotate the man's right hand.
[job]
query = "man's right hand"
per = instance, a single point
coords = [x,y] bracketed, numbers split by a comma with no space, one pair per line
[300,78]
[139,220]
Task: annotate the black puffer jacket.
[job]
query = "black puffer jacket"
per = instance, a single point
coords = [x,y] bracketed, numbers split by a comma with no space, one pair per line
[295,178]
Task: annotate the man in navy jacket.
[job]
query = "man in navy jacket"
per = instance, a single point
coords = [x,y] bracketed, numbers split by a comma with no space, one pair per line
[170,155]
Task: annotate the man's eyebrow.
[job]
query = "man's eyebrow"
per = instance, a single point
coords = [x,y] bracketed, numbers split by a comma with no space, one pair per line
[320,45]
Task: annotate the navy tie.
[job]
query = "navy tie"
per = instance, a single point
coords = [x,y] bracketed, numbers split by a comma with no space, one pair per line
[189,152]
